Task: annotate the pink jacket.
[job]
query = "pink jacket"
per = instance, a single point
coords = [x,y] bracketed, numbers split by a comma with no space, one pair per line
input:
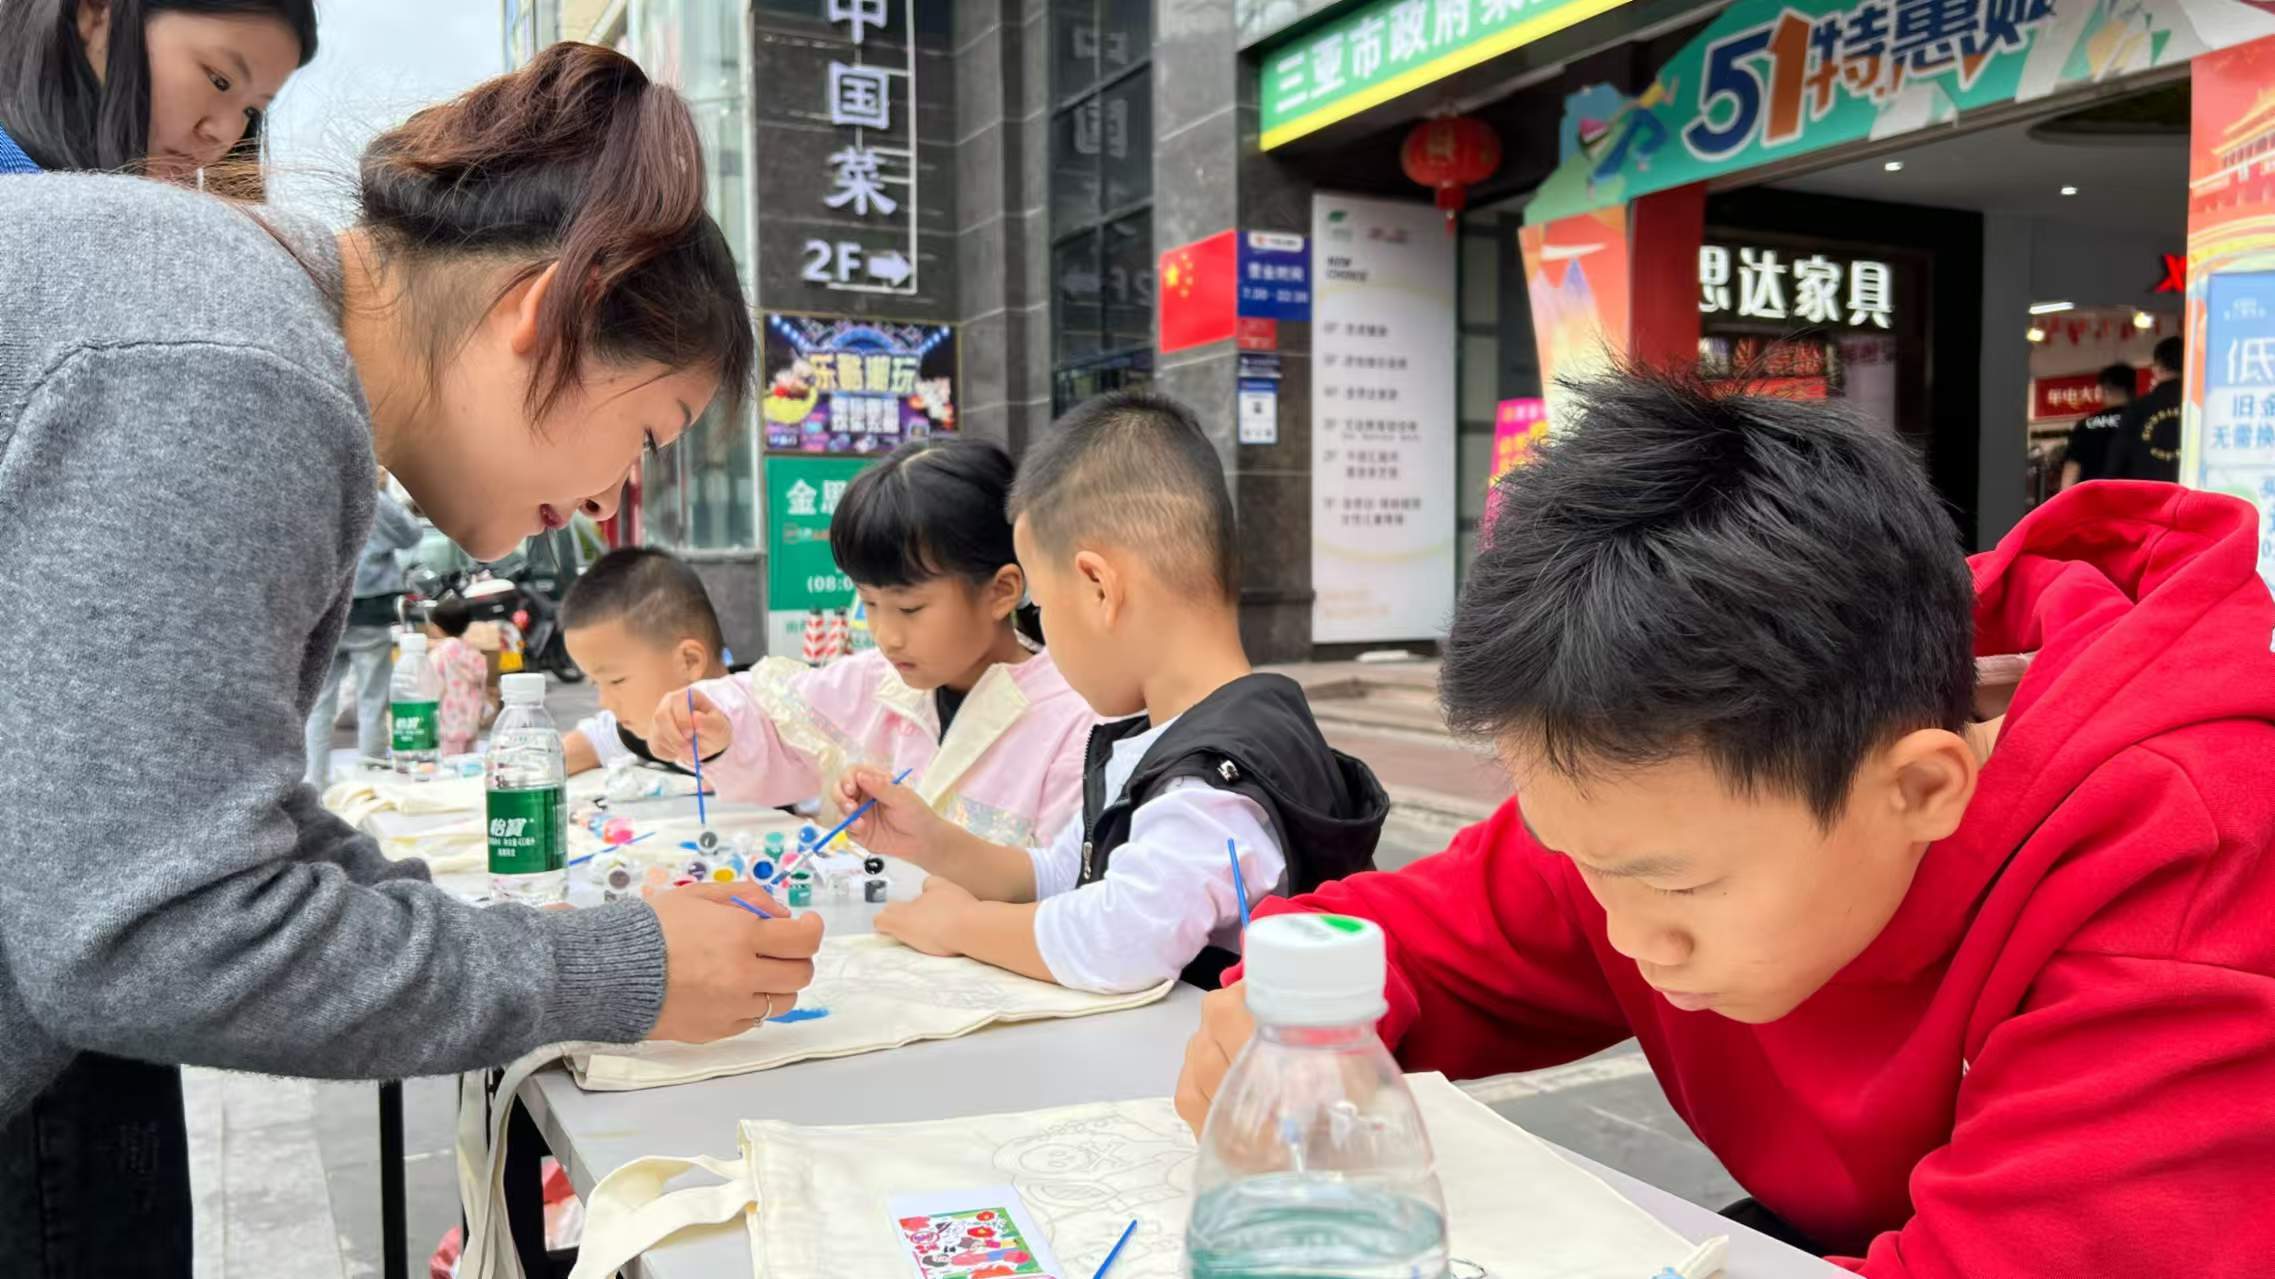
[1009,771]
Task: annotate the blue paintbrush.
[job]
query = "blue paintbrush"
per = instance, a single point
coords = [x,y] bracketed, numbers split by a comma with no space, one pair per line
[1119,1244]
[695,747]
[1239,886]
[839,829]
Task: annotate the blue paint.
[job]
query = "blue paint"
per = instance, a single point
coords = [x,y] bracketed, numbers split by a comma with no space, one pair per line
[802,1014]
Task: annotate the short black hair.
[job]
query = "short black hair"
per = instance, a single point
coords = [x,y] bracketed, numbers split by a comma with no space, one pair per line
[656,593]
[2120,377]
[1135,470]
[451,615]
[2170,354]
[1769,583]
[934,507]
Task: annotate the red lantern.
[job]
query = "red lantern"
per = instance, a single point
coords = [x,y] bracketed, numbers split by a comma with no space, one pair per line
[1449,155]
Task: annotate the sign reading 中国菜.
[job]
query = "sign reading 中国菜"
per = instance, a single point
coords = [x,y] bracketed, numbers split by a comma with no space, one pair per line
[1379,51]
[873,177]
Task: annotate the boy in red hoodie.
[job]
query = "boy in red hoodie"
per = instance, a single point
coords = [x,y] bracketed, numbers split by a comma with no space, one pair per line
[1953,997]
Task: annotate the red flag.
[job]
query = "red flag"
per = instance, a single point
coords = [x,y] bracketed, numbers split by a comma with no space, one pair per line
[1197,285]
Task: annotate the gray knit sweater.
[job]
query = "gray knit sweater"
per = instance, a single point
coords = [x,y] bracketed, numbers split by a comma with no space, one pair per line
[186,478]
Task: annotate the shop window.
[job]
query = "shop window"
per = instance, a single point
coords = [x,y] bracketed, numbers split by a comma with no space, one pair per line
[1101,197]
[700,494]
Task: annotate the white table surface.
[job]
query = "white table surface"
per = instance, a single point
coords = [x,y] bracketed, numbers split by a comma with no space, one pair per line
[1125,1056]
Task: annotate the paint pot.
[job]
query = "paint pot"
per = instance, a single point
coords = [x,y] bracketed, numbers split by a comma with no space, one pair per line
[697,868]
[873,890]
[873,865]
[801,890]
[762,870]
[708,841]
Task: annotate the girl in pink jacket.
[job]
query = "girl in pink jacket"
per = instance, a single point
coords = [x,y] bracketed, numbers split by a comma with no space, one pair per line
[957,689]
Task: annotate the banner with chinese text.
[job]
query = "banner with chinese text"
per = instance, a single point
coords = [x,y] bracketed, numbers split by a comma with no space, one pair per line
[1381,50]
[1773,79]
[801,577]
[836,385]
[1383,420]
[2228,436]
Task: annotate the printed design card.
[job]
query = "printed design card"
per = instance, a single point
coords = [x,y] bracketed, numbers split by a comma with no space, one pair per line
[985,1233]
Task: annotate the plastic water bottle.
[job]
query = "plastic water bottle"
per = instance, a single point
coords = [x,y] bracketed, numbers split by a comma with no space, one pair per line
[528,806]
[414,703]
[1314,1161]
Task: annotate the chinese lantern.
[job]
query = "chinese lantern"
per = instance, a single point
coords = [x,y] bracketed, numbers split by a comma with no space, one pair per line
[1449,155]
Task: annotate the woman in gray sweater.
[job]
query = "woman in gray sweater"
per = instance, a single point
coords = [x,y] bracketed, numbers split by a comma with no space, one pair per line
[193,397]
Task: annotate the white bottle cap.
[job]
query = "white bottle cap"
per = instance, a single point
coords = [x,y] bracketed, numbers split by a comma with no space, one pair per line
[522,690]
[1314,970]
[413,643]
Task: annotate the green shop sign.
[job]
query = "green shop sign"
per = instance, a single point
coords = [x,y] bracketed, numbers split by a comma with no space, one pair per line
[801,495]
[1387,48]
[1772,79]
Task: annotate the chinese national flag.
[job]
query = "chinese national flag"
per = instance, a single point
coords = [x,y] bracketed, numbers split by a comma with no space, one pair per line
[1197,285]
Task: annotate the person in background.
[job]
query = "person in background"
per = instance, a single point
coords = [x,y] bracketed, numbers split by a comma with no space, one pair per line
[2087,454]
[464,672]
[2146,442]
[195,398]
[164,88]
[639,624]
[958,690]
[365,658]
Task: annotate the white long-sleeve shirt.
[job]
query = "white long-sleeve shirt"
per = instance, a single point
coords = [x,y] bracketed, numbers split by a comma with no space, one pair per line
[1167,892]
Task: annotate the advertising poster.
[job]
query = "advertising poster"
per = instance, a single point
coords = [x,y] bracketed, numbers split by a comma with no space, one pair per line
[801,497]
[1383,420]
[1772,79]
[1576,279]
[2228,437]
[1519,426]
[838,385]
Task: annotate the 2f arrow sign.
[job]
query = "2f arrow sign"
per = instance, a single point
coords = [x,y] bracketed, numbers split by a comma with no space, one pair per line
[844,264]
[889,266]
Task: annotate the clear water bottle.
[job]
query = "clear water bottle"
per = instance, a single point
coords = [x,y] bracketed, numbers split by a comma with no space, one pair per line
[527,780]
[414,703]
[1314,1161]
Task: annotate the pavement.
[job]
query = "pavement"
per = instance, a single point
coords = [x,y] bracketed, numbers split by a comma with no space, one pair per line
[286,1172]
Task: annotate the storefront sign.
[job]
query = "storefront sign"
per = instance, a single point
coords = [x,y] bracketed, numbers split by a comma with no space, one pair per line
[802,494]
[836,385]
[1773,79]
[1378,51]
[1383,420]
[873,176]
[1754,283]
[1275,276]
[2066,395]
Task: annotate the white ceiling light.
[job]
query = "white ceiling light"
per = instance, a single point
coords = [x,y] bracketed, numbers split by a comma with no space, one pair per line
[2035,334]
[2143,320]
[1894,166]
[2069,190]
[2048,308]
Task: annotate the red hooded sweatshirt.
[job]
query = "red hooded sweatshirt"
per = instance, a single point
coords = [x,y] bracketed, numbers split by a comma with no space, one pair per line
[2059,1056]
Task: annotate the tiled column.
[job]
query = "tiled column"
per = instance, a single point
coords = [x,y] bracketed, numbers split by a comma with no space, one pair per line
[1208,176]
[1003,238]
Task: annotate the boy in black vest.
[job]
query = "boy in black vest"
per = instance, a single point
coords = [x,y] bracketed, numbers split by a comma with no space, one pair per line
[1124,527]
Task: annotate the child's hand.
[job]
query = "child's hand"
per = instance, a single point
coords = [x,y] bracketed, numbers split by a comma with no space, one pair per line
[932,922]
[669,735]
[901,825]
[1225,1029]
